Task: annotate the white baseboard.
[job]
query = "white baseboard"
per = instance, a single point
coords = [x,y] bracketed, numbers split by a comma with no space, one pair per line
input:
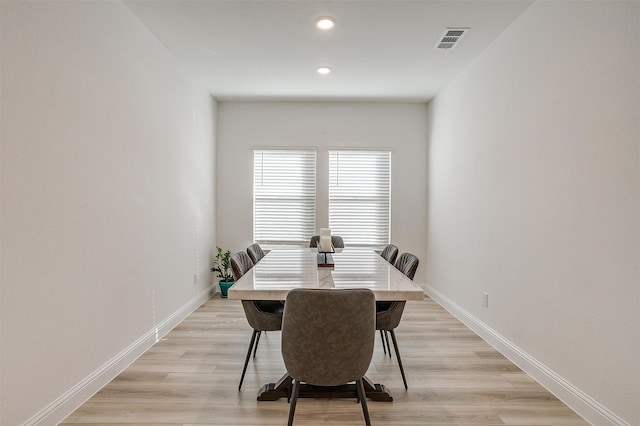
[590,409]
[68,402]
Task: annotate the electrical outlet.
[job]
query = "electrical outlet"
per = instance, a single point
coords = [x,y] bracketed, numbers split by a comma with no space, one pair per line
[485,300]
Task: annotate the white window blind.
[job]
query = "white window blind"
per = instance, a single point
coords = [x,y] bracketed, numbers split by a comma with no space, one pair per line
[359,196]
[284,196]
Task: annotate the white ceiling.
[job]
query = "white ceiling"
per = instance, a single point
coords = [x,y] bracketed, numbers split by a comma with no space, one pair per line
[378,50]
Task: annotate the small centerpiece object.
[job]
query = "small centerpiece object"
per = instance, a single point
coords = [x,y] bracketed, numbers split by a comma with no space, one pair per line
[222,268]
[325,247]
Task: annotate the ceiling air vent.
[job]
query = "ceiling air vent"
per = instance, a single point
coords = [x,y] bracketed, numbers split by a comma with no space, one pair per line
[450,38]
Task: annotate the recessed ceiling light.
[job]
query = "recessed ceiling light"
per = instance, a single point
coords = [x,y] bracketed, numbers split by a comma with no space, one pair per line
[325,23]
[323,70]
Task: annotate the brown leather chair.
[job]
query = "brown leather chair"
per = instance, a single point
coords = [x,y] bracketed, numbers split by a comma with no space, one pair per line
[390,253]
[327,339]
[262,315]
[389,314]
[336,241]
[255,252]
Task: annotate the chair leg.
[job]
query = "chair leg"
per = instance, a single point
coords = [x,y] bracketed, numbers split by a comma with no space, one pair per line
[386,337]
[289,389]
[363,401]
[294,399]
[255,348]
[246,361]
[384,348]
[395,346]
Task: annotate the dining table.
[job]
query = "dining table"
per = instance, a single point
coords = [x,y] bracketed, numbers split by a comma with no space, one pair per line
[284,269]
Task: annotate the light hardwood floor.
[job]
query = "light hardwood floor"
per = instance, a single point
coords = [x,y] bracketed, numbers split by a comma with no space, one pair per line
[191,377]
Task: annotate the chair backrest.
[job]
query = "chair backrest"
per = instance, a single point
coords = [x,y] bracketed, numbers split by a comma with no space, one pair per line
[390,253]
[260,319]
[336,241]
[407,263]
[328,335]
[388,317]
[255,252]
[240,264]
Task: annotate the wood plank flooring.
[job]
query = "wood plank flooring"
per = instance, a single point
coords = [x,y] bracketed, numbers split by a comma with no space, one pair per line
[191,377]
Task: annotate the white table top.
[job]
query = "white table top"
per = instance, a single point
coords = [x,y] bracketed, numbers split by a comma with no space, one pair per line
[284,269]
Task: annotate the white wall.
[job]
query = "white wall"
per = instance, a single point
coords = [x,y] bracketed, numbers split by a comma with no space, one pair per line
[107,200]
[535,199]
[401,127]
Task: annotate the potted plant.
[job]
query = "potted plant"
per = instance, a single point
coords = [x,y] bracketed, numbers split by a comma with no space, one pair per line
[222,268]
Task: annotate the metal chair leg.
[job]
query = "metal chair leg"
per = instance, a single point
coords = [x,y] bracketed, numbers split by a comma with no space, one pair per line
[386,338]
[363,401]
[246,361]
[255,348]
[384,348]
[395,346]
[294,399]
[289,390]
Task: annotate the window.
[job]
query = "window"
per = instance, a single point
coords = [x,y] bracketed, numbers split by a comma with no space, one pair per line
[284,196]
[359,196]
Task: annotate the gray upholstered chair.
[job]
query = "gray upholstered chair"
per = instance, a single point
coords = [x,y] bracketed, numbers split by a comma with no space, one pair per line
[389,314]
[262,315]
[255,252]
[336,241]
[241,263]
[390,253]
[327,339]
[407,263]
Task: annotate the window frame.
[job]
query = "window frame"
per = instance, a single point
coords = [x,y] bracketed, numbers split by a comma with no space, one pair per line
[305,195]
[365,232]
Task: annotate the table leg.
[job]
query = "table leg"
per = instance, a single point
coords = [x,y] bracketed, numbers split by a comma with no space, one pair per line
[275,391]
